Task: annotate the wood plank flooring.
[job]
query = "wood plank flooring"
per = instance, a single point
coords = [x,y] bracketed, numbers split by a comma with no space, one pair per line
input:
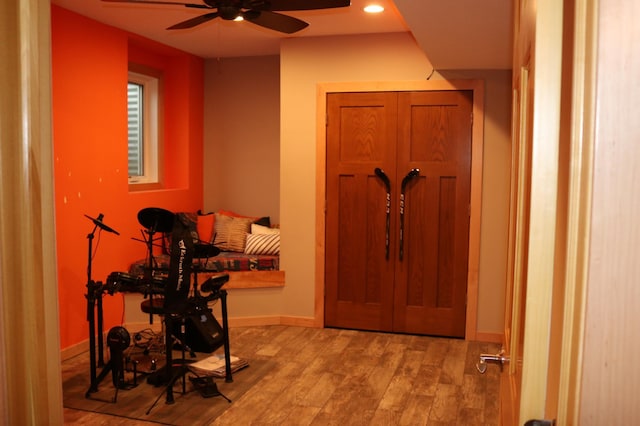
[334,377]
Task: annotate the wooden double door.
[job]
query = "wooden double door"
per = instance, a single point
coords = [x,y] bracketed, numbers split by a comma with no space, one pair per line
[397,211]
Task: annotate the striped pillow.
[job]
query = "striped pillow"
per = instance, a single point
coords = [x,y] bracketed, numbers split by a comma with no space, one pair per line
[263,244]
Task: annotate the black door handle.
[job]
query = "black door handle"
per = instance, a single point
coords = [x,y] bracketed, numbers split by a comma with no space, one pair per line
[412,174]
[387,184]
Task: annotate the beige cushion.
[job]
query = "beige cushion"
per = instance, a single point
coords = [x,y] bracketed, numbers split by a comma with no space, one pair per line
[231,232]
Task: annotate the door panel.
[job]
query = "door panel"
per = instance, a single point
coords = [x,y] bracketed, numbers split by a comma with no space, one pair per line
[431,279]
[361,136]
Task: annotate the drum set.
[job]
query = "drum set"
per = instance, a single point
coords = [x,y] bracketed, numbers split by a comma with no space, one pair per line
[152,284]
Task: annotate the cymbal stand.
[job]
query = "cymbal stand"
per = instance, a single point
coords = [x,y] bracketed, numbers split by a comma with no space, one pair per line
[148,273]
[94,294]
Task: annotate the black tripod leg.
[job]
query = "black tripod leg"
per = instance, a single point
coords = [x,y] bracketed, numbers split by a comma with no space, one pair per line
[224,396]
[225,334]
[92,351]
[118,380]
[91,317]
[169,358]
[168,367]
[100,329]
[154,403]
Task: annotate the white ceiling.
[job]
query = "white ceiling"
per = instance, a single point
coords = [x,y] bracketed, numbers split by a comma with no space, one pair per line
[220,38]
[462,34]
[455,34]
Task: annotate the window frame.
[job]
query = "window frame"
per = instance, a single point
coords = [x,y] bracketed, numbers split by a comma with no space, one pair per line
[151,129]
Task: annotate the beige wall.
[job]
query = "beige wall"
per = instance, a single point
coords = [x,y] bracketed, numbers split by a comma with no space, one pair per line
[304,63]
[242,155]
[495,194]
[242,136]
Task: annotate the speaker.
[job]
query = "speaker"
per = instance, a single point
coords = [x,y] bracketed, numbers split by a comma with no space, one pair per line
[203,333]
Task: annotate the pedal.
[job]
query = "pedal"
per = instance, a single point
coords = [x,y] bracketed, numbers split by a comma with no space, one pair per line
[206,386]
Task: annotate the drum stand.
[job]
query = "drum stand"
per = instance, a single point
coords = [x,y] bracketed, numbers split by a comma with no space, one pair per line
[178,369]
[154,220]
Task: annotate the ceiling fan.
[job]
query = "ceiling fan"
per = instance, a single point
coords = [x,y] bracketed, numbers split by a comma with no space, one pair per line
[260,12]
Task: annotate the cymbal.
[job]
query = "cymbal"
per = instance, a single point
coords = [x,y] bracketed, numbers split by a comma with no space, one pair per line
[100,224]
[156,219]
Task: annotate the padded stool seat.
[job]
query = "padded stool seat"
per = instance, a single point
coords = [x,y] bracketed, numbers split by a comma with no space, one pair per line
[153,306]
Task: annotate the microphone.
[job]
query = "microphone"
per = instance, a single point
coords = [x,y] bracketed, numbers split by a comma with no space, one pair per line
[98,222]
[118,339]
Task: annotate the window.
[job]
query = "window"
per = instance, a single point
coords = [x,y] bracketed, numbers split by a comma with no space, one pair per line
[143,128]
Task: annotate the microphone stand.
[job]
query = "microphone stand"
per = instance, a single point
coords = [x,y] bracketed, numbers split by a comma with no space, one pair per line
[148,274]
[94,298]
[94,293]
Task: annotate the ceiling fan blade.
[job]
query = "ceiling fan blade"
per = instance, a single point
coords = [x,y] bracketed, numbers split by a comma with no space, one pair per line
[190,23]
[275,21]
[172,3]
[283,5]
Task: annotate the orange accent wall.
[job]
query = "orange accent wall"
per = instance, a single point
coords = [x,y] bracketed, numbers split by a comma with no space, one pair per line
[89,71]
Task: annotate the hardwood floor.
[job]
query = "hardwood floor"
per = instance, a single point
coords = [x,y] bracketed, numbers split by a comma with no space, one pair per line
[340,377]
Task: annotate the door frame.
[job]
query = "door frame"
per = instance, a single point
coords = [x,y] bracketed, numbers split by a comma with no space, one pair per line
[545,358]
[477,149]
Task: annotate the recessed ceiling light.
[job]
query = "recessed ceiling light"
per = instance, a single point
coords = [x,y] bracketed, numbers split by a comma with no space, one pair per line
[373,8]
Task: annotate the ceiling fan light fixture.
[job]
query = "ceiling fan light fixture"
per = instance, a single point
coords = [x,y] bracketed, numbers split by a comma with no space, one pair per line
[229,13]
[373,8]
[264,13]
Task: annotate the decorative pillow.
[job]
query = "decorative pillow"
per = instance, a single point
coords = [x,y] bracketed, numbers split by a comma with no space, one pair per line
[265,221]
[230,232]
[259,229]
[263,244]
[205,225]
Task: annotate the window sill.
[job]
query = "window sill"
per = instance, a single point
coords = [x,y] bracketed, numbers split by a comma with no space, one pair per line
[139,187]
